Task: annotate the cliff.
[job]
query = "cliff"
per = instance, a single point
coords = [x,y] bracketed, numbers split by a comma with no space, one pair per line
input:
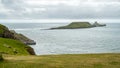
[6,33]
[23,38]
[78,25]
[6,41]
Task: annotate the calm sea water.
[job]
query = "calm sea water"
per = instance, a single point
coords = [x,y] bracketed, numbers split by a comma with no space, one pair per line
[70,41]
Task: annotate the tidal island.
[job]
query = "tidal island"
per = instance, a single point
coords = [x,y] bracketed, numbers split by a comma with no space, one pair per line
[78,25]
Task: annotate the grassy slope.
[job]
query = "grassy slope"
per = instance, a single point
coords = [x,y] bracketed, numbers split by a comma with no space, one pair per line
[9,45]
[63,61]
[75,25]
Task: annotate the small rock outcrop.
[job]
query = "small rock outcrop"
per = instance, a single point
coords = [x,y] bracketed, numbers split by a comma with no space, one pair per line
[78,25]
[30,50]
[96,24]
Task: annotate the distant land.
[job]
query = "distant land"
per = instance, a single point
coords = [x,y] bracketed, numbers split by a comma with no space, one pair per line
[78,25]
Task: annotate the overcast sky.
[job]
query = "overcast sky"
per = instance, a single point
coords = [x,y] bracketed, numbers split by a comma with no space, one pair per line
[59,9]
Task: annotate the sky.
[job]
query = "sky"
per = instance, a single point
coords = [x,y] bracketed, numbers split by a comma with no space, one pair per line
[59,9]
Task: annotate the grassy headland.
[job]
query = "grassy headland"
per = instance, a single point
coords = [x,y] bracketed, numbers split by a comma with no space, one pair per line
[63,61]
[10,46]
[14,43]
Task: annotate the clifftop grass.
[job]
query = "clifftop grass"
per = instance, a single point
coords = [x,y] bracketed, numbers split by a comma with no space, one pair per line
[79,25]
[10,46]
[63,61]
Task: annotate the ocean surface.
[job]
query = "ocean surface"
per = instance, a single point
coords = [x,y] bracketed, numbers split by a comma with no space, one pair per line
[70,41]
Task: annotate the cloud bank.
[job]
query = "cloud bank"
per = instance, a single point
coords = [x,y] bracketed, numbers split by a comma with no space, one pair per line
[59,9]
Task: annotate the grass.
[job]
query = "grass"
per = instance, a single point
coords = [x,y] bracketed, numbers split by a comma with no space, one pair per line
[10,46]
[79,25]
[62,61]
[75,25]
[2,29]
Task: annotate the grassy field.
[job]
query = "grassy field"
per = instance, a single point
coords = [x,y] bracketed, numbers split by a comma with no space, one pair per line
[62,61]
[9,46]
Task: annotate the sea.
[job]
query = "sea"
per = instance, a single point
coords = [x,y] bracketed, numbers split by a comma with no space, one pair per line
[70,41]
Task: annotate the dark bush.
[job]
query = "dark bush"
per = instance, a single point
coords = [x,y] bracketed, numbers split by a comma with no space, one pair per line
[1,58]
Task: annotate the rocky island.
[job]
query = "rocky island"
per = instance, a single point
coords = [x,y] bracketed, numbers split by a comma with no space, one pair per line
[77,25]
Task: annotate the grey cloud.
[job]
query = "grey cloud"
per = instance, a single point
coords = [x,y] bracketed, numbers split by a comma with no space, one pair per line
[83,11]
[21,10]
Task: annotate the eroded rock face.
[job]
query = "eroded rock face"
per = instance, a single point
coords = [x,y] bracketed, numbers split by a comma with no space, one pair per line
[30,50]
[5,33]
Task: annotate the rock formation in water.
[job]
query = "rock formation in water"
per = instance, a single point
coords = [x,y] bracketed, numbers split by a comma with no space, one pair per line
[96,24]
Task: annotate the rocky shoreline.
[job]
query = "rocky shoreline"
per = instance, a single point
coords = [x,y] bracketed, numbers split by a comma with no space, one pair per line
[23,38]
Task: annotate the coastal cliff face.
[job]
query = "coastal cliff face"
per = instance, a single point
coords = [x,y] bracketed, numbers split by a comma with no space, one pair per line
[23,38]
[78,25]
[5,34]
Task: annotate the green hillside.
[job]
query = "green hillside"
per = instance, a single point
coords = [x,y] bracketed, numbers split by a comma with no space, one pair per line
[10,46]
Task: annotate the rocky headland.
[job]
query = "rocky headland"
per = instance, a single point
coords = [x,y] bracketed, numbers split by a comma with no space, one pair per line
[5,33]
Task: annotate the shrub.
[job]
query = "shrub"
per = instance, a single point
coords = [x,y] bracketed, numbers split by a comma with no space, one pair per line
[1,58]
